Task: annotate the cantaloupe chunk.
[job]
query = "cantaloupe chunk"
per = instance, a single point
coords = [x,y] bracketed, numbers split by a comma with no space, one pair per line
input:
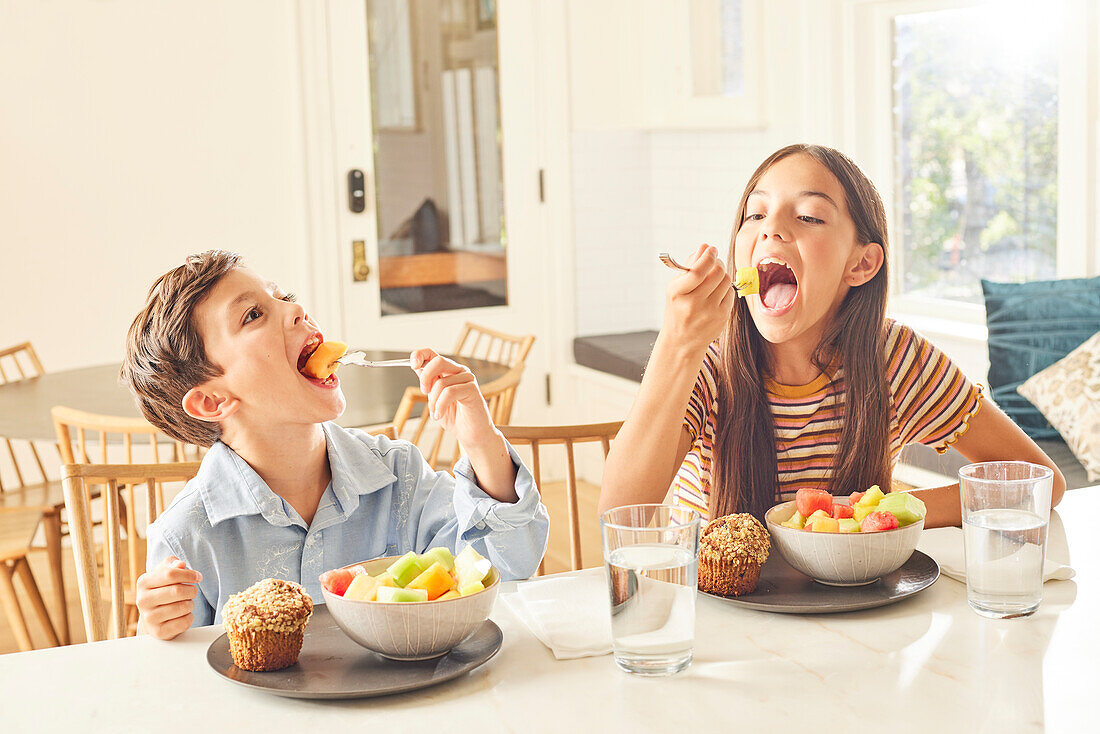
[452,594]
[436,580]
[322,363]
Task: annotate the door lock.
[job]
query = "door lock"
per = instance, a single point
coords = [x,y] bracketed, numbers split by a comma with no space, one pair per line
[357,200]
[360,270]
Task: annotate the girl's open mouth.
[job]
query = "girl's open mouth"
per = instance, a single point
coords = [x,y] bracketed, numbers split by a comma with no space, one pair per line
[778,284]
[307,351]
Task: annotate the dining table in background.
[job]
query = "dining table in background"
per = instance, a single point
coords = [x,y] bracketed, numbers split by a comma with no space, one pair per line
[373,394]
[927,663]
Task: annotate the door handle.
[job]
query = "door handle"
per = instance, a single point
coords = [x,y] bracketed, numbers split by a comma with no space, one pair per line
[360,270]
[357,194]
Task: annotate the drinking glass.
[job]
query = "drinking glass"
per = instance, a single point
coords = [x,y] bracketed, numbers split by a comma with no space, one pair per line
[651,553]
[1005,511]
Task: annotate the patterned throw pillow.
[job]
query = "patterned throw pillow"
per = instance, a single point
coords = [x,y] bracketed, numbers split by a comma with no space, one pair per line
[1068,394]
[1031,326]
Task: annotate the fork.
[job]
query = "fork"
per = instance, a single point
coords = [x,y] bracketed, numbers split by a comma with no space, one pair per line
[360,359]
[738,285]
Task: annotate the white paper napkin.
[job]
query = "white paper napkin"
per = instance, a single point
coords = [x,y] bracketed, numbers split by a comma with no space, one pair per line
[568,614]
[945,545]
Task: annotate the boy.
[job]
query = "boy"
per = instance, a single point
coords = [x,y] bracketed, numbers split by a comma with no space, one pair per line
[213,359]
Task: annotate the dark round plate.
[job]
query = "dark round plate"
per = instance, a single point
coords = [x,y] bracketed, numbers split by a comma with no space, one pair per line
[787,591]
[332,665]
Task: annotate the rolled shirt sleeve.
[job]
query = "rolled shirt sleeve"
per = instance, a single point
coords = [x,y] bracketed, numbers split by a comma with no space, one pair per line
[456,512]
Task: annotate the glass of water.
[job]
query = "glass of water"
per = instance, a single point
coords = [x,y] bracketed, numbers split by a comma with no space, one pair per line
[1005,511]
[651,553]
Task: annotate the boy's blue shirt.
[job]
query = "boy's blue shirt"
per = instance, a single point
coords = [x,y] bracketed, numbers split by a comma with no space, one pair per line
[384,499]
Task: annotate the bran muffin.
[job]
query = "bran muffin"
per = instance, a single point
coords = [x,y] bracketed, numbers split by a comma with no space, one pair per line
[266,623]
[731,552]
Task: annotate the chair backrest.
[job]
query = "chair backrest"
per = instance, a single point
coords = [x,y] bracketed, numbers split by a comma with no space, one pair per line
[440,448]
[113,480]
[538,437]
[389,430]
[107,430]
[20,362]
[481,342]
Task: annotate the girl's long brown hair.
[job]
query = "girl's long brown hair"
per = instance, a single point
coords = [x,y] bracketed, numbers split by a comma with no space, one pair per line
[744,474]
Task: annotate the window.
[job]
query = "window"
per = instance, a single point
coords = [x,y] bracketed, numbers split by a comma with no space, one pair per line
[975,120]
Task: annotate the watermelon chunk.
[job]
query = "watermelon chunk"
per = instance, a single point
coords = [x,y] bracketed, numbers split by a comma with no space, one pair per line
[337,580]
[855,497]
[809,501]
[877,521]
[841,511]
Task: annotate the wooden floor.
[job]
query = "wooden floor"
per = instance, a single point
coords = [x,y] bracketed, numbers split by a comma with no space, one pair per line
[557,559]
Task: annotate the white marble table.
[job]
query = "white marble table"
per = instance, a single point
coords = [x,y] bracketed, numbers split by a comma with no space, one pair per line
[925,664]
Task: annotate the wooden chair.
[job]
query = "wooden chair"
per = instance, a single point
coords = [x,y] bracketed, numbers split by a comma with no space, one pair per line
[430,436]
[538,437]
[121,588]
[481,342]
[17,529]
[28,484]
[382,429]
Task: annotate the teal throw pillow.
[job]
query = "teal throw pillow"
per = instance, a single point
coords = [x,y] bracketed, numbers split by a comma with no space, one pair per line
[1032,326]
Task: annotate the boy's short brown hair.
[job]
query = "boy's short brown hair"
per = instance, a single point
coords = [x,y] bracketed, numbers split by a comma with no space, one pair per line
[165,355]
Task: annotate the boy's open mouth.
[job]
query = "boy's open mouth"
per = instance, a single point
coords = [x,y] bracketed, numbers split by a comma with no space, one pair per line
[307,351]
[778,284]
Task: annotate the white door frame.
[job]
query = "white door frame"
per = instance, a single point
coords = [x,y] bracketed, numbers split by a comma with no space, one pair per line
[536,130]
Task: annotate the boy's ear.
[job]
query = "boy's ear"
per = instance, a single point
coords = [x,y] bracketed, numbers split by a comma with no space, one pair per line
[205,404]
[866,265]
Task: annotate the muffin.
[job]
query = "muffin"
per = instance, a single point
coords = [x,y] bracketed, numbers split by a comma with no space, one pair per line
[265,624]
[731,552]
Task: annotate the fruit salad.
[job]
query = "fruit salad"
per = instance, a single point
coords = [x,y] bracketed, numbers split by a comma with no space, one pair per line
[434,575]
[865,512]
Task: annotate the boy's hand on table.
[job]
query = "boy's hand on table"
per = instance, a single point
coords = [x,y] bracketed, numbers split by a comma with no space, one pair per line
[165,598]
[456,402]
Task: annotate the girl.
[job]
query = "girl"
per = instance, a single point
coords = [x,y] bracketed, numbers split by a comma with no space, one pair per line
[806,384]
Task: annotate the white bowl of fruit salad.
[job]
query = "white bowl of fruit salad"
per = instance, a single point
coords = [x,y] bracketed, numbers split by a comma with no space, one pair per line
[412,607]
[852,542]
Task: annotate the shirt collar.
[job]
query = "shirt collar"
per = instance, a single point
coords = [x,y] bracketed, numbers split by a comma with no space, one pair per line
[231,488]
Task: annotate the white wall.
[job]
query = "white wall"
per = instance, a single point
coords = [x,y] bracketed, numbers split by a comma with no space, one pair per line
[134,132]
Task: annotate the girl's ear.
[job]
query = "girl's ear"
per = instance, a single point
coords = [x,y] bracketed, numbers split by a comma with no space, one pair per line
[205,404]
[864,265]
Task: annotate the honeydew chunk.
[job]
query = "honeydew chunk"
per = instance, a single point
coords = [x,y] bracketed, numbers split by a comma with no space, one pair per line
[791,525]
[406,568]
[394,594]
[471,566]
[797,520]
[848,525]
[435,580]
[904,506]
[322,363]
[747,281]
[471,588]
[871,497]
[439,555]
[362,588]
[452,594]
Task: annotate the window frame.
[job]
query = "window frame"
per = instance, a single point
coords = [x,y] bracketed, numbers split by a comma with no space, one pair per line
[868,133]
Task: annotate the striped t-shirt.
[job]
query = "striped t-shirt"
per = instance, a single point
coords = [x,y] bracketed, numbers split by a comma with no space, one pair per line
[931,402]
